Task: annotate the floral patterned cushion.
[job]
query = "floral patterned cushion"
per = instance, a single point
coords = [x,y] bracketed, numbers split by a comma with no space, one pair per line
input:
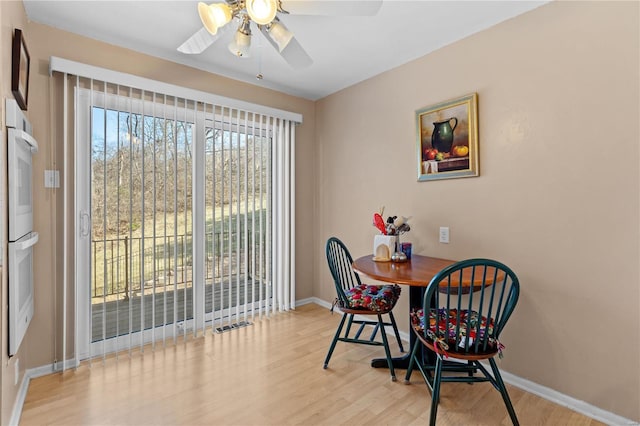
[443,325]
[373,297]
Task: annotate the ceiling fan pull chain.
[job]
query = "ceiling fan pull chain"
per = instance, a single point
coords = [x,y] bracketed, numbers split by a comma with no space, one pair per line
[259,75]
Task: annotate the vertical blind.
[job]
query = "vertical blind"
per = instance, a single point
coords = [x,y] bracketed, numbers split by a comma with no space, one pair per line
[183,210]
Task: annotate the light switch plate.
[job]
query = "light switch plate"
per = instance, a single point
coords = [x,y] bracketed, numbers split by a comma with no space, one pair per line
[51,179]
[444,234]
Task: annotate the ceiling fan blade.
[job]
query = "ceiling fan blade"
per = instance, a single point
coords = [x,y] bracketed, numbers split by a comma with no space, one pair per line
[198,42]
[332,7]
[293,53]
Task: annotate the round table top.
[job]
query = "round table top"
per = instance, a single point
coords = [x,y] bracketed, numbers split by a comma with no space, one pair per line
[416,272]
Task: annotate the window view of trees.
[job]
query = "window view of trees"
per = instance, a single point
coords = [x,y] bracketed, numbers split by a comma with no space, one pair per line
[140,167]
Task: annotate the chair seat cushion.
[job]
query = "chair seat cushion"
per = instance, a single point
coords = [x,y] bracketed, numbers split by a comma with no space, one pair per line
[373,297]
[444,329]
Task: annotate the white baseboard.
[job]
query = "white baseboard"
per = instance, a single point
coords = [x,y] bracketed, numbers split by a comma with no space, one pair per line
[307,301]
[526,385]
[315,300]
[24,386]
[19,402]
[567,401]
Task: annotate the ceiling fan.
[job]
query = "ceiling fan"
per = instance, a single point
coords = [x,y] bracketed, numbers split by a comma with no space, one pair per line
[265,15]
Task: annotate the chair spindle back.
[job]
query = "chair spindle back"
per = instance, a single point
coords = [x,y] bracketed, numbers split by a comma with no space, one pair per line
[467,305]
[340,261]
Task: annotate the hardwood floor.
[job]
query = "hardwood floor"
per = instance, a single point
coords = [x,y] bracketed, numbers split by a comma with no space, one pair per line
[267,374]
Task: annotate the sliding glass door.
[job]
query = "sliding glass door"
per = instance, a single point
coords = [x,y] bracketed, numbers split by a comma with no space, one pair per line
[157,178]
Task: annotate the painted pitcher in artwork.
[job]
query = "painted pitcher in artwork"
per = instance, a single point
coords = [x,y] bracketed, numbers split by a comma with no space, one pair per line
[442,136]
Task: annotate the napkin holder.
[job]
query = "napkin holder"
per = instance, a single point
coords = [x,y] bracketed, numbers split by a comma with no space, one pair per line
[384,246]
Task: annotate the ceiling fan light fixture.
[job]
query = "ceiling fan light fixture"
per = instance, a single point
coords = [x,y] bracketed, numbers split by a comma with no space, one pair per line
[214,16]
[262,11]
[280,34]
[241,44]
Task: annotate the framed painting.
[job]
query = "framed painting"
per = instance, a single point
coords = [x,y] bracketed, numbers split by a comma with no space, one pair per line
[20,70]
[447,139]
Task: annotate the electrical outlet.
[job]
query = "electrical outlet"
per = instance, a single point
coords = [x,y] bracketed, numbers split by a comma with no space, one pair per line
[17,372]
[444,234]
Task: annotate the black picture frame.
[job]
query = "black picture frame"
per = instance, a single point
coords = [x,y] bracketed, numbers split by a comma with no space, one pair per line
[20,62]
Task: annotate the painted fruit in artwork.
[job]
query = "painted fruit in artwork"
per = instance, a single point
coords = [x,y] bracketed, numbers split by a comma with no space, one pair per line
[430,154]
[460,150]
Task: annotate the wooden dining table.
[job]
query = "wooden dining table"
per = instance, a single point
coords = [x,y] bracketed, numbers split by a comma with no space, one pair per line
[415,273]
[418,271]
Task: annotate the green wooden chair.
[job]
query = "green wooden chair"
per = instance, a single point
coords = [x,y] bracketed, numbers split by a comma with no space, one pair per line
[357,299]
[465,308]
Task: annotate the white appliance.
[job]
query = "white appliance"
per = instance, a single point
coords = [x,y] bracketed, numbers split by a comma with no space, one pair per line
[20,147]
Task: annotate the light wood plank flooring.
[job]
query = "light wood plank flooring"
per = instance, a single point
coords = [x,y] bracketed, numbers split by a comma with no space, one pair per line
[267,374]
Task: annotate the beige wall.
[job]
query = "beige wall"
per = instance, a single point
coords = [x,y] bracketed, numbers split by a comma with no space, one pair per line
[558,195]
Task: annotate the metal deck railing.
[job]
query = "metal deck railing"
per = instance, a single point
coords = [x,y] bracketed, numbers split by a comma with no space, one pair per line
[123,267]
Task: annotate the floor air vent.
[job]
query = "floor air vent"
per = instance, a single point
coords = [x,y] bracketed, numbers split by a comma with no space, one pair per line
[232,326]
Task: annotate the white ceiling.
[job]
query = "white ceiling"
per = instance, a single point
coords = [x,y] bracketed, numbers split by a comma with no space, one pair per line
[345,50]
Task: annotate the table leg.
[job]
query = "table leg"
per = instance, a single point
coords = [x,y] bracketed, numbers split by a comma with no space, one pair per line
[416,296]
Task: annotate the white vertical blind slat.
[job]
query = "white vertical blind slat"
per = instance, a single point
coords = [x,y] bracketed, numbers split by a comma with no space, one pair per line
[277,235]
[142,221]
[130,220]
[154,232]
[187,206]
[286,208]
[235,176]
[65,274]
[292,216]
[214,247]
[251,238]
[165,254]
[118,266]
[175,220]
[199,228]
